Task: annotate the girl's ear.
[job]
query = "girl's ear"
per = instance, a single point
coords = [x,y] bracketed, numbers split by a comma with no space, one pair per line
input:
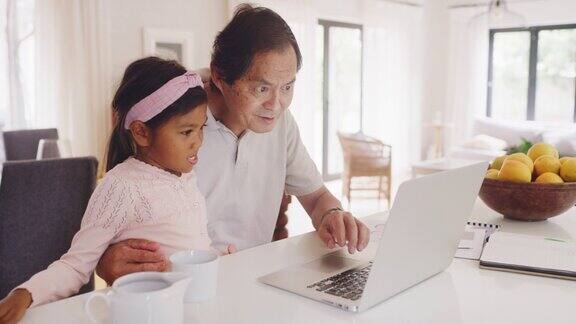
[141,133]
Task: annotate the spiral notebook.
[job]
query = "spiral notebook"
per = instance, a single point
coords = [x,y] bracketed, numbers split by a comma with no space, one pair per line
[475,236]
[536,255]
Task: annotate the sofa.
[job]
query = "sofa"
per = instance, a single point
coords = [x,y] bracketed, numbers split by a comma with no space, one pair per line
[491,137]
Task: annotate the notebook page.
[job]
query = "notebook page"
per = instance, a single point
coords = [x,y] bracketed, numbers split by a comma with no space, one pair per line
[530,251]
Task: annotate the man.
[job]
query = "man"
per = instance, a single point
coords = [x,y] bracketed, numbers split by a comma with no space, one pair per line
[252,151]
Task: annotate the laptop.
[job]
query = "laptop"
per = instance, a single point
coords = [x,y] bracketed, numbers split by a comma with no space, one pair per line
[418,241]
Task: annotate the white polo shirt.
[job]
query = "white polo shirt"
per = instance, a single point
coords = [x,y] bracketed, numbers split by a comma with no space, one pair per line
[244,179]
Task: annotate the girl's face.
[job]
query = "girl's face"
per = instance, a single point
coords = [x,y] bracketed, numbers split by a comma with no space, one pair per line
[174,144]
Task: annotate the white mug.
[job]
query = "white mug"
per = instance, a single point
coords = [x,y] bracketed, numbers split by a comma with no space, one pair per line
[143,298]
[202,268]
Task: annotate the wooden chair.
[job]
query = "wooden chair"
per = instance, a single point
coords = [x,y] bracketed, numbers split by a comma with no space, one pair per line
[365,156]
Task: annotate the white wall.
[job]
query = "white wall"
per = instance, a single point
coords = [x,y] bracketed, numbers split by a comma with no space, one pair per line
[128,17]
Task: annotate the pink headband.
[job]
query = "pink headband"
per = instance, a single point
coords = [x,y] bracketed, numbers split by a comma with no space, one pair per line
[160,99]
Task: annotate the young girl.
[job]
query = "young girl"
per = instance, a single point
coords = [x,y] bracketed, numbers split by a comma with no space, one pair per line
[150,190]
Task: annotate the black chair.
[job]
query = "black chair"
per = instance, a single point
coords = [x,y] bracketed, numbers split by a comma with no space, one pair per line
[23,144]
[41,207]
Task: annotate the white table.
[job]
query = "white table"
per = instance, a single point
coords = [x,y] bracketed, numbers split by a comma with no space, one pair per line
[462,294]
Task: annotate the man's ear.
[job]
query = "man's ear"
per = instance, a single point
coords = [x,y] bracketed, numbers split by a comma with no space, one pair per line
[141,133]
[216,77]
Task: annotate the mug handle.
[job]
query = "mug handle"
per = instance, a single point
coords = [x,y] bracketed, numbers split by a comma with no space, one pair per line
[88,302]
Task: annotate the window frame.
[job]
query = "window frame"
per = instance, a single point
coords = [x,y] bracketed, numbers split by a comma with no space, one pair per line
[532,62]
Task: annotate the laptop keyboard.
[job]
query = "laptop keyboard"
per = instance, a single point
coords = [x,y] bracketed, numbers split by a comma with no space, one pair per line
[348,284]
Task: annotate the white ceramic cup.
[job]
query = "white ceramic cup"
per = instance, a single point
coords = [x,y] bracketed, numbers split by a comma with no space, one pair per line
[202,268]
[143,298]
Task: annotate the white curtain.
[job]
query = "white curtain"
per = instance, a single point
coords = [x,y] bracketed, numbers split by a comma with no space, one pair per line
[392,80]
[467,74]
[72,72]
[4,81]
[16,62]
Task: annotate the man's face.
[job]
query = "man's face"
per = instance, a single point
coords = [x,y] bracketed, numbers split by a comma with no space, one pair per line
[264,91]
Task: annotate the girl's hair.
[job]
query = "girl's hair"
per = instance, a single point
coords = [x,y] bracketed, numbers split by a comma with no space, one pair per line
[142,78]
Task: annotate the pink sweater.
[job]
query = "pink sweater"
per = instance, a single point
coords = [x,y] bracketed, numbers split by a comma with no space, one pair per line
[133,200]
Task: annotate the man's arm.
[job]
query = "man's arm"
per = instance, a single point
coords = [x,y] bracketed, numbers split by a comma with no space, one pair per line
[334,225]
[135,255]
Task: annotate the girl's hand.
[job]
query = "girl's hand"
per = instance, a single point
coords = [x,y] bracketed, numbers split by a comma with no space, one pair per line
[231,248]
[13,307]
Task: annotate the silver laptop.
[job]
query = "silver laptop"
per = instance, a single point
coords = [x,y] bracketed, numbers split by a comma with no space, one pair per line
[419,240]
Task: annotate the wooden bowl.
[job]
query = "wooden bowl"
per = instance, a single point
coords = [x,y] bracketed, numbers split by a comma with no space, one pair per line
[528,201]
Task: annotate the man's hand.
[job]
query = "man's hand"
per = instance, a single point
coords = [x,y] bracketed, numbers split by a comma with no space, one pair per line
[128,256]
[333,225]
[340,227]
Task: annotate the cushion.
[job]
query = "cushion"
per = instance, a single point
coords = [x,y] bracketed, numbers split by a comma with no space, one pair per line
[510,131]
[563,140]
[485,142]
[474,154]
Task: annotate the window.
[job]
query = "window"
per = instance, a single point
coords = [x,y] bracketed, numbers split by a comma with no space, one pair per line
[532,73]
[339,56]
